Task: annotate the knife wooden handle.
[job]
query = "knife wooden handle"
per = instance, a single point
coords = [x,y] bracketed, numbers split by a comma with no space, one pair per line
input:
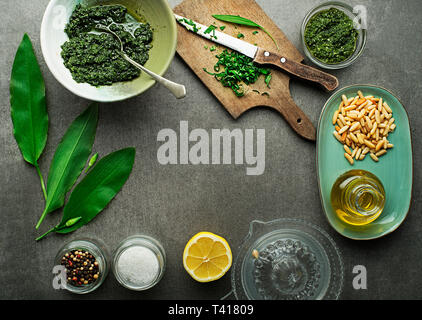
[300,70]
[295,117]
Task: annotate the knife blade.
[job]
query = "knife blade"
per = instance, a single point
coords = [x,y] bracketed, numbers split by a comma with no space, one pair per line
[260,55]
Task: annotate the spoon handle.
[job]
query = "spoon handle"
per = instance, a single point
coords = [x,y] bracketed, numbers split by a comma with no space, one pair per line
[178,90]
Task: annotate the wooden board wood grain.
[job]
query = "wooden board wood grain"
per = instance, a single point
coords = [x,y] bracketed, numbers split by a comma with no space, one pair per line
[191,48]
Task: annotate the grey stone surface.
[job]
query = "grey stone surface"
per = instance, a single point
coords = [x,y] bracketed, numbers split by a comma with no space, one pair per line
[172,203]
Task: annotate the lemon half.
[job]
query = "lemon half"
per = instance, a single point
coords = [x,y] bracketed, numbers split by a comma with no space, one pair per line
[207,257]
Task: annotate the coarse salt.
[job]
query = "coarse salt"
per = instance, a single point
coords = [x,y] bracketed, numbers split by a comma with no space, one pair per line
[138,266]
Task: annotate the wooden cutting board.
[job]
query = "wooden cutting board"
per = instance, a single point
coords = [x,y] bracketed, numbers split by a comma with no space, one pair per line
[191,48]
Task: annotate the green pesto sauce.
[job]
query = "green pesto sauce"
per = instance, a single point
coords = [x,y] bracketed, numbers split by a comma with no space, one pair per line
[330,36]
[93,57]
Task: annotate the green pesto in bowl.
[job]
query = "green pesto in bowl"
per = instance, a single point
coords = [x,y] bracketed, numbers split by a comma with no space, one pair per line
[330,36]
[94,57]
[156,12]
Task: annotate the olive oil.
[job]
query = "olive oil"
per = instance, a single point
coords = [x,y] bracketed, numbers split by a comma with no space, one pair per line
[358,197]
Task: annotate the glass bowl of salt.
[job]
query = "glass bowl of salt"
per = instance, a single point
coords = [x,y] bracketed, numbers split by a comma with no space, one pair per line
[139,262]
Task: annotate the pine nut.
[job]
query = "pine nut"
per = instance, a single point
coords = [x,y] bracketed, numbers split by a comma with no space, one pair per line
[374,157]
[335,117]
[362,125]
[349,158]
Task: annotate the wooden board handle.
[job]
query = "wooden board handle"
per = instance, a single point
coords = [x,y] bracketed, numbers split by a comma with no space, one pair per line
[295,117]
[300,70]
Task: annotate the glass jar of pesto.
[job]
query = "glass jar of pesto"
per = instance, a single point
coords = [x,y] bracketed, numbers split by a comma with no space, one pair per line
[329,37]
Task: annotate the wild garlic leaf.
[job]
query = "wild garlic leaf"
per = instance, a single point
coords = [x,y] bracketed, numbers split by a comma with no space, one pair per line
[70,158]
[244,22]
[28,106]
[97,189]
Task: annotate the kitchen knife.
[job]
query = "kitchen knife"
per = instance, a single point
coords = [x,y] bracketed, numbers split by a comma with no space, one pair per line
[260,55]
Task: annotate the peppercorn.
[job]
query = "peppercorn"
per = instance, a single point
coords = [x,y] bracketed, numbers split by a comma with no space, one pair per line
[81,267]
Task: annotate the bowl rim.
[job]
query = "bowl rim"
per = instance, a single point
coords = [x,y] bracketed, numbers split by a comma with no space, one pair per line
[81,93]
[336,66]
[317,162]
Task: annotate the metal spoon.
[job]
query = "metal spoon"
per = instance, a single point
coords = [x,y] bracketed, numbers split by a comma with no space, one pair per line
[178,90]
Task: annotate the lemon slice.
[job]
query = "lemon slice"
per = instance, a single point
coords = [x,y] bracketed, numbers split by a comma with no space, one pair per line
[207,257]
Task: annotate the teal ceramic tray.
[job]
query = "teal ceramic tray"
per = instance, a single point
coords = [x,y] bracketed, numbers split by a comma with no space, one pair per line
[395,169]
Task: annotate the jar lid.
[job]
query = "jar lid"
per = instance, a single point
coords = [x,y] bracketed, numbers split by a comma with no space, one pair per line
[287,259]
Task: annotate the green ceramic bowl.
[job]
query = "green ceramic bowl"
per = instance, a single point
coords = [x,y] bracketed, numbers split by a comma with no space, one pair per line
[395,169]
[157,12]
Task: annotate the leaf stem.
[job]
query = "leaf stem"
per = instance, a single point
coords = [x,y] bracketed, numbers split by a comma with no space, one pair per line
[269,34]
[45,234]
[41,180]
[41,219]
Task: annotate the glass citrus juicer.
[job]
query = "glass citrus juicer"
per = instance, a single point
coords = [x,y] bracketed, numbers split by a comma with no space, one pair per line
[287,259]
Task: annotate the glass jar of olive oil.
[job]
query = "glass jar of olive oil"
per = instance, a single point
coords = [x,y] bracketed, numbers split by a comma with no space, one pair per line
[358,197]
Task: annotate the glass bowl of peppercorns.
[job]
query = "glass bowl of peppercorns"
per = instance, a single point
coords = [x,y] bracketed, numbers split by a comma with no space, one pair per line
[82,266]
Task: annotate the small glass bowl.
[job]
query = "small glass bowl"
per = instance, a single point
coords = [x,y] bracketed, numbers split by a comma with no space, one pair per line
[295,260]
[143,241]
[360,43]
[100,254]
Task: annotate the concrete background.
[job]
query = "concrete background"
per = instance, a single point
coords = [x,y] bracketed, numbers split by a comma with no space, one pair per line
[172,203]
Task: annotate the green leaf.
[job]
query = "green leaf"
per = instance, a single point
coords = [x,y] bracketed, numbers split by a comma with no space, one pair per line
[242,21]
[210,29]
[97,189]
[27,100]
[70,158]
[236,20]
[268,79]
[237,69]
